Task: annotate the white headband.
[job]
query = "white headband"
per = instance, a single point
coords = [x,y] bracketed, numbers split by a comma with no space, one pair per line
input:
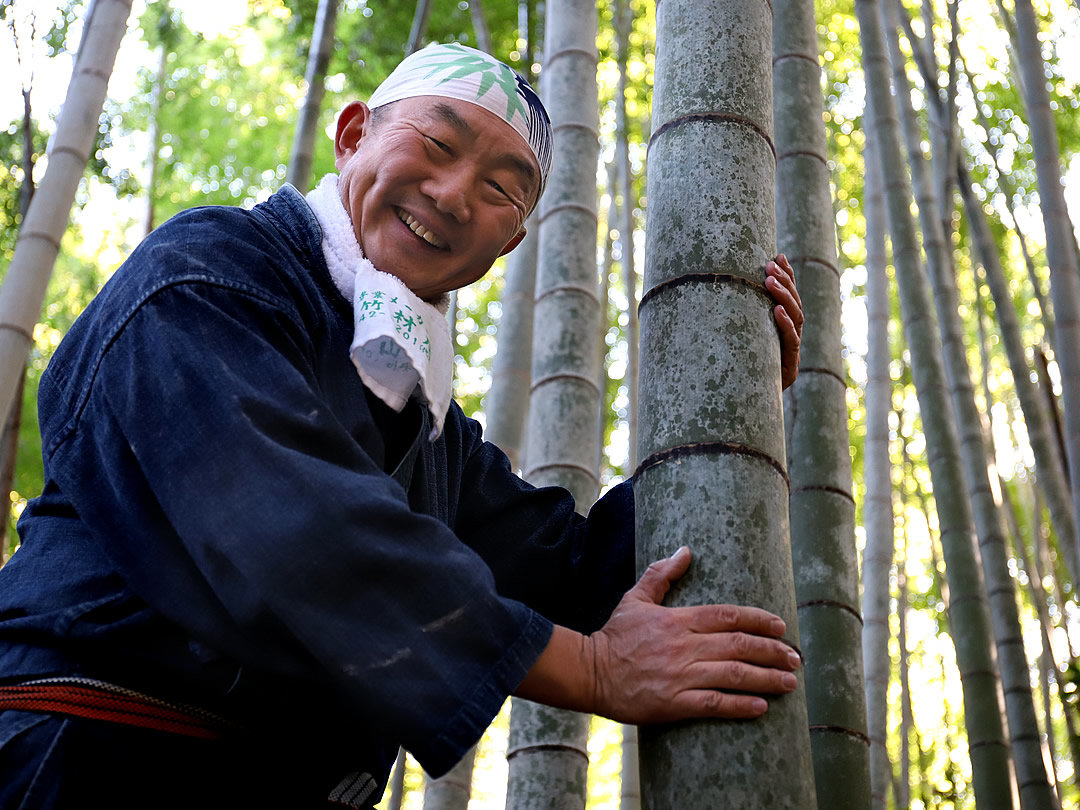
[457,71]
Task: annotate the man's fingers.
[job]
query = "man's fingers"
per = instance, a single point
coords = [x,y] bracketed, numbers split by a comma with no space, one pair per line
[656,581]
[787,298]
[783,272]
[739,676]
[710,703]
[724,618]
[759,650]
[790,333]
[780,280]
[731,690]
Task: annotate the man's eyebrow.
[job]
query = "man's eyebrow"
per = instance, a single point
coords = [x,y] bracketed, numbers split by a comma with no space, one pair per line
[523,166]
[450,116]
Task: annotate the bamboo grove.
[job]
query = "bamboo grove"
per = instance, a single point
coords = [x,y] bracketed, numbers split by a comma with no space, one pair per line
[909,506]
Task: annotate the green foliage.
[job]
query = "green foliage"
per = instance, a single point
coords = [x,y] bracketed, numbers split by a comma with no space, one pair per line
[11,181]
[1071,687]
[225,117]
[374,35]
[56,38]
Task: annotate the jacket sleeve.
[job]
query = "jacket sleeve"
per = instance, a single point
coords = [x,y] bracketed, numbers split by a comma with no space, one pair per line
[203,455]
[571,569]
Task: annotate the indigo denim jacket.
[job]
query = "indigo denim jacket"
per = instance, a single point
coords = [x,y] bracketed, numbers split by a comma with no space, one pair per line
[230,519]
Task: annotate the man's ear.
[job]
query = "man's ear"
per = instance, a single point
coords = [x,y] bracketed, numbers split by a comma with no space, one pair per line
[352,124]
[513,243]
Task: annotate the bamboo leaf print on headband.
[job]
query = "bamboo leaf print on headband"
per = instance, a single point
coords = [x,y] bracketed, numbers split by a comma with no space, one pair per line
[491,74]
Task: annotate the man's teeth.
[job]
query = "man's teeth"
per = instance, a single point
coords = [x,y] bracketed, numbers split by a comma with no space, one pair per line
[420,230]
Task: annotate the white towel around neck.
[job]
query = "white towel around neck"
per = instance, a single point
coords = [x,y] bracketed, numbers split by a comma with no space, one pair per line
[398,341]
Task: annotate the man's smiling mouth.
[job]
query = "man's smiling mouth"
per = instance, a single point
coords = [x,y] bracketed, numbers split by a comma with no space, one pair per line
[420,230]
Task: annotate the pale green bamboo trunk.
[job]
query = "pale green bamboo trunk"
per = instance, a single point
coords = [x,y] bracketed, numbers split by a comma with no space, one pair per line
[451,791]
[27,276]
[815,408]
[480,26]
[548,748]
[419,26]
[711,431]
[1060,247]
[968,613]
[907,722]
[604,231]
[153,134]
[507,404]
[877,477]
[506,409]
[1035,790]
[624,24]
[307,126]
[1037,420]
[630,798]
[630,777]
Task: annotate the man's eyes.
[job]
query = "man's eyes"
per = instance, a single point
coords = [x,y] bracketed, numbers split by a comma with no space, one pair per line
[444,147]
[512,196]
[494,184]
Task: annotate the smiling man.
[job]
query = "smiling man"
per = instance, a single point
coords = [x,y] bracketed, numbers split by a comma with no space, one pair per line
[438,169]
[270,549]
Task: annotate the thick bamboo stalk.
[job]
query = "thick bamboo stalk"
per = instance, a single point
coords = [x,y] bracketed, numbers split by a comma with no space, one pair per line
[815,410]
[1046,660]
[548,758]
[711,434]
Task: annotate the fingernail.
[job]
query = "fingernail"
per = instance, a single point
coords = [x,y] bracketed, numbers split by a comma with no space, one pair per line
[778,627]
[759,705]
[789,681]
[793,657]
[678,551]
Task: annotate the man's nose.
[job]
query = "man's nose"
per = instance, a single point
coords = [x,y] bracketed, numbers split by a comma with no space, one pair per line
[449,188]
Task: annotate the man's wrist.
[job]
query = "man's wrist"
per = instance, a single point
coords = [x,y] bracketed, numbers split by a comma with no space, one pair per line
[564,676]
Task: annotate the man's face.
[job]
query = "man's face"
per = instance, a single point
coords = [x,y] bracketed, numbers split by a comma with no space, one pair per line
[437,188]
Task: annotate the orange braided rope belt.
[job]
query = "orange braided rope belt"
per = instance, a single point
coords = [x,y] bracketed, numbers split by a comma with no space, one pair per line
[98,700]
